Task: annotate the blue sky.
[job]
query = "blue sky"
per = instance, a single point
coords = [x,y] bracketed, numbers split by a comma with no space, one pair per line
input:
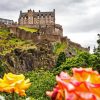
[80,18]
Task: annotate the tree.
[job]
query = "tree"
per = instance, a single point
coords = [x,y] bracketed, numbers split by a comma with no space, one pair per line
[97,53]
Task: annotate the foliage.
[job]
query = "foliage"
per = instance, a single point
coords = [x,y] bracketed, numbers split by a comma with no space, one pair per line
[83,59]
[2,70]
[61,59]
[41,81]
[59,47]
[28,29]
[96,63]
[8,42]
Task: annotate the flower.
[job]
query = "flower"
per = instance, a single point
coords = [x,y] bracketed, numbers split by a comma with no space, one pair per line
[14,83]
[83,85]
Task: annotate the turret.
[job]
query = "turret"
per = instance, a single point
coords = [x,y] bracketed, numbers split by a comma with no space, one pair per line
[20,12]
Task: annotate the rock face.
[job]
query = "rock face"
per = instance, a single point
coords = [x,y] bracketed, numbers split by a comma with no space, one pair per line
[30,59]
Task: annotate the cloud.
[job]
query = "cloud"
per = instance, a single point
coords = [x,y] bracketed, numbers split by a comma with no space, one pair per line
[15,5]
[81,17]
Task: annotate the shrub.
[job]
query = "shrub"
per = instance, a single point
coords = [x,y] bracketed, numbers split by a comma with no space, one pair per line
[41,81]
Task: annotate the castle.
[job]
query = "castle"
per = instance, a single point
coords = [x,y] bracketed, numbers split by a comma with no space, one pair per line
[37,18]
[45,21]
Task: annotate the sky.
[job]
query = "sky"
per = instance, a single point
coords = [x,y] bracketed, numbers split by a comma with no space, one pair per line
[80,19]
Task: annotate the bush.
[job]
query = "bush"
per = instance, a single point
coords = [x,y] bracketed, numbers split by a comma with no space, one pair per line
[61,59]
[41,82]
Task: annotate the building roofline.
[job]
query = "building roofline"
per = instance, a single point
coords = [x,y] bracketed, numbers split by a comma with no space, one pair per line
[6,19]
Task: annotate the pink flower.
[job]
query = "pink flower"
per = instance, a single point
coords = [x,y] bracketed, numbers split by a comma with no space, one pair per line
[83,85]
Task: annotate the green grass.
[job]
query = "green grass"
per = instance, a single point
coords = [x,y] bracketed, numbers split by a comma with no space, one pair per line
[9,42]
[4,33]
[28,29]
[59,47]
[42,81]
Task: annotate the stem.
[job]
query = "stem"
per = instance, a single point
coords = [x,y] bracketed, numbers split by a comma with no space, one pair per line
[13,96]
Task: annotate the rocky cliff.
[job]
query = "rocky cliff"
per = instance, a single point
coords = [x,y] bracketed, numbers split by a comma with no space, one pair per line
[26,60]
[19,55]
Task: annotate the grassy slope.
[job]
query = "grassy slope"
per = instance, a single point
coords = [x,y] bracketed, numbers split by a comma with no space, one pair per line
[28,29]
[9,42]
[59,47]
[63,47]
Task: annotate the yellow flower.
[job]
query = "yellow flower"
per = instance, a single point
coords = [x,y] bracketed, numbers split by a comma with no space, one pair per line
[83,85]
[14,83]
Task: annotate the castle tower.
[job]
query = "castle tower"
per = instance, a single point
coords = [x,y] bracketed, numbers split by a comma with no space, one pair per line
[30,17]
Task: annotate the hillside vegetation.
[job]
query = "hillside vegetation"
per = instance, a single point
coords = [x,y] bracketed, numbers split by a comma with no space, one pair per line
[28,29]
[9,42]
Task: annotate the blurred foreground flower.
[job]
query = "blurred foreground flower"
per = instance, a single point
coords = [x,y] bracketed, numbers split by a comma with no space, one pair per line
[14,83]
[83,85]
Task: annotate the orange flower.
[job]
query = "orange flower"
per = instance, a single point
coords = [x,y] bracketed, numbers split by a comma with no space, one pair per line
[14,83]
[83,85]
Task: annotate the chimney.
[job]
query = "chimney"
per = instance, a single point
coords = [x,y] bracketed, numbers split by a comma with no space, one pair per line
[54,10]
[20,11]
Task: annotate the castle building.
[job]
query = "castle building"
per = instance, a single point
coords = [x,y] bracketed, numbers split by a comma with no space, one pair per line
[37,18]
[44,21]
[6,21]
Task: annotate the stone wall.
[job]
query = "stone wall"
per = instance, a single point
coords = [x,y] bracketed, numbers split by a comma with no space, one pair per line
[58,30]
[48,29]
[35,37]
[2,25]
